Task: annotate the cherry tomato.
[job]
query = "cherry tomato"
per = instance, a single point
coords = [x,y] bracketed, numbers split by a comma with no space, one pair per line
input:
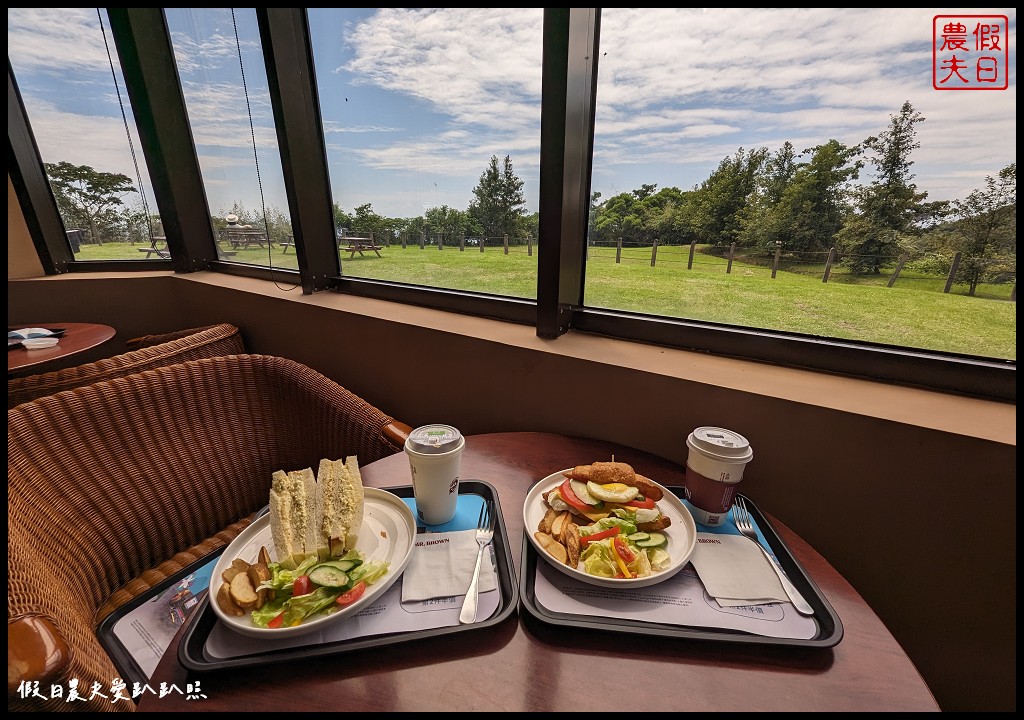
[623,551]
[350,596]
[276,622]
[302,586]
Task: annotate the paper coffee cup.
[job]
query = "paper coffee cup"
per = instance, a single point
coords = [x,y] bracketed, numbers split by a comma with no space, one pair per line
[714,468]
[435,459]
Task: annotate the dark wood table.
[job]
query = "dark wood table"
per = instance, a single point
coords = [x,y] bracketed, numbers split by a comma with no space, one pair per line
[523,665]
[78,337]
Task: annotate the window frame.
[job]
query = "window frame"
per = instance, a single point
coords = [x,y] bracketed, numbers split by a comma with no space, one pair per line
[570,62]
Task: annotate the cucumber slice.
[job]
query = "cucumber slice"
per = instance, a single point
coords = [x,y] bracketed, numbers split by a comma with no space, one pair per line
[343,565]
[654,540]
[326,575]
[637,536]
[581,491]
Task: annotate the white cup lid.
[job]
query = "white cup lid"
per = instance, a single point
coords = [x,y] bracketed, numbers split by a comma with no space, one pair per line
[434,439]
[721,444]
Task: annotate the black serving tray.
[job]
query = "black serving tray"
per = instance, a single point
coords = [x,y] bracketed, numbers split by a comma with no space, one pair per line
[202,621]
[830,628]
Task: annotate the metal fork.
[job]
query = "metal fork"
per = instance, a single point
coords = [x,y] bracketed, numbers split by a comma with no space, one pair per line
[484,535]
[741,516]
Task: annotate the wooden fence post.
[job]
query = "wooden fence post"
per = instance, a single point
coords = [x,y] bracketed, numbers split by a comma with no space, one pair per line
[529,245]
[404,237]
[654,252]
[828,264]
[504,242]
[462,242]
[897,271]
[952,272]
[732,252]
[423,240]
[618,250]
[693,247]
[1013,293]
[775,263]
[440,241]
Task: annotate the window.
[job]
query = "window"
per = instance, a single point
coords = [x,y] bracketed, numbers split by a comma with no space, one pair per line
[219,56]
[793,170]
[71,84]
[665,183]
[431,118]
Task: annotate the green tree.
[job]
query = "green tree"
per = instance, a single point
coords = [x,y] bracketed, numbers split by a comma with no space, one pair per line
[890,203]
[757,216]
[715,207]
[448,223]
[88,197]
[987,229]
[499,204]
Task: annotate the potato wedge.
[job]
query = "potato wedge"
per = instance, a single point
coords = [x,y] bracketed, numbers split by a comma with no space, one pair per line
[571,539]
[258,572]
[264,555]
[545,522]
[242,591]
[558,523]
[554,548]
[226,603]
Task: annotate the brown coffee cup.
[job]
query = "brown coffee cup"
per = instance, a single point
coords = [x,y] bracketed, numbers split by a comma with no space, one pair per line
[714,468]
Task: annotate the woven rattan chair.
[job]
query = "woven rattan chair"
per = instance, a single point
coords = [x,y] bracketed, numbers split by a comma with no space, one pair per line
[144,353]
[115,486]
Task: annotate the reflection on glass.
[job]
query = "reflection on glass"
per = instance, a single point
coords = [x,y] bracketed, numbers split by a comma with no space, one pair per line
[70,81]
[432,123]
[224,81]
[795,170]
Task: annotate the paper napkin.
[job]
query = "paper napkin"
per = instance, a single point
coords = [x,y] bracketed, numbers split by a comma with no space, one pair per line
[735,572]
[442,565]
[25,333]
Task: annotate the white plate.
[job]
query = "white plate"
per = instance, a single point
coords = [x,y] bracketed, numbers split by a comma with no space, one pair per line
[681,534]
[387,535]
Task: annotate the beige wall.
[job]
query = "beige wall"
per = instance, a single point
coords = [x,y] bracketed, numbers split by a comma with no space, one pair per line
[22,261]
[873,476]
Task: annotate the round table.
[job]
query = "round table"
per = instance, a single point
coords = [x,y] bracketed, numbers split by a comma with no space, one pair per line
[523,666]
[77,338]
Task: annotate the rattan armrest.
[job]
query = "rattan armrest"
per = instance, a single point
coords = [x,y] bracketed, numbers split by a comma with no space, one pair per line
[396,433]
[36,651]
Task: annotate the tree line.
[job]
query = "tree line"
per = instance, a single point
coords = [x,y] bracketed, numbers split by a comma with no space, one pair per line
[756,198]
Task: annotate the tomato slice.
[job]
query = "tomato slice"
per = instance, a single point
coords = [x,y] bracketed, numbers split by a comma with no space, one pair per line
[302,585]
[646,503]
[623,551]
[570,498]
[277,621]
[350,596]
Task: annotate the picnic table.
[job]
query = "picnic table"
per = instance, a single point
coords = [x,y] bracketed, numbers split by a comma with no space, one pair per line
[245,238]
[358,245]
[160,252]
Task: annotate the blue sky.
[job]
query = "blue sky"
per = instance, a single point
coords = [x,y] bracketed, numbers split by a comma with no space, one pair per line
[415,101]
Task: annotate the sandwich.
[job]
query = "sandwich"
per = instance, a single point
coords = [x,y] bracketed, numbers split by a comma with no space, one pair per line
[340,488]
[295,517]
[318,514]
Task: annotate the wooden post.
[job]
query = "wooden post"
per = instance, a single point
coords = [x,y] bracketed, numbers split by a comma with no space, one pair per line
[828,264]
[732,252]
[404,236]
[693,248]
[952,272]
[423,240]
[654,252]
[483,241]
[897,271]
[440,241]
[529,245]
[462,242]
[775,263]
[618,250]
[505,242]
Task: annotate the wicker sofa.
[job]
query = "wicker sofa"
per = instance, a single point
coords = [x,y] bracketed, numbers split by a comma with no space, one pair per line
[115,486]
[144,353]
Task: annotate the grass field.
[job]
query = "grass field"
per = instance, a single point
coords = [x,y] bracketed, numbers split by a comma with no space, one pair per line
[914,313]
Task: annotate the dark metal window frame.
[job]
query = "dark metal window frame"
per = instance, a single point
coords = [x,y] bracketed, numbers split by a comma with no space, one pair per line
[570,62]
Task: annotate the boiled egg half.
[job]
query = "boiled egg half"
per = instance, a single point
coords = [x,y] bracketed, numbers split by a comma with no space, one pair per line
[612,492]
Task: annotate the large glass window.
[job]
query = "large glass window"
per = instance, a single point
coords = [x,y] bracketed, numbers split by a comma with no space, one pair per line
[70,81]
[796,170]
[432,124]
[224,82]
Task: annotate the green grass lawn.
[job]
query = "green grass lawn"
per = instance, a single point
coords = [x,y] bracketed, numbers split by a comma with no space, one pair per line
[914,313]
